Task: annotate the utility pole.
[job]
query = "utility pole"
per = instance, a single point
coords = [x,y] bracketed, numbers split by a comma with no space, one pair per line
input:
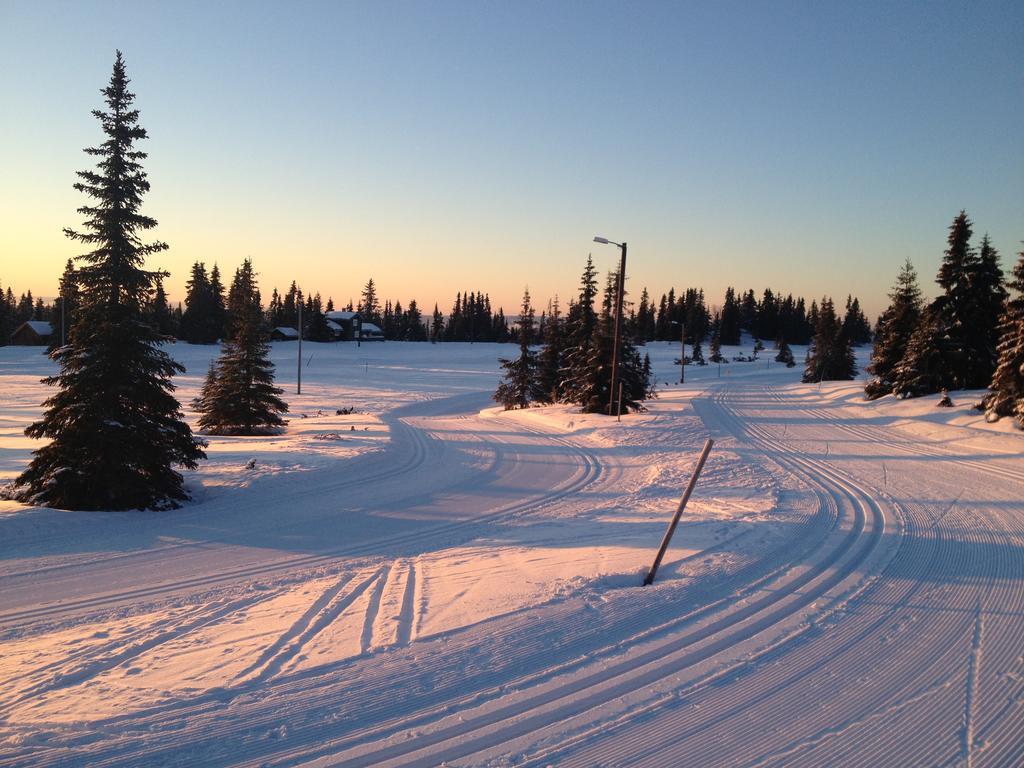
[298,378]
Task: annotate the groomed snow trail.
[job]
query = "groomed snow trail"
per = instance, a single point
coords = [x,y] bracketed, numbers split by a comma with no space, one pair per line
[843,591]
[921,667]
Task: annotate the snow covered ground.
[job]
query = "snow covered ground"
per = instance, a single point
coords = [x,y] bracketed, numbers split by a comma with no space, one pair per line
[429,580]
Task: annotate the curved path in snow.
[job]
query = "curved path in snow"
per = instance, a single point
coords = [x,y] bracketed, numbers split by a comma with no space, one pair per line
[424,487]
[885,629]
[922,666]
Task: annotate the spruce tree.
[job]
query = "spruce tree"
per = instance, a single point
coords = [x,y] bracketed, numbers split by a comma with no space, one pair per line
[591,386]
[436,326]
[855,324]
[197,322]
[160,311]
[729,322]
[415,330]
[239,396]
[964,349]
[290,308]
[830,357]
[895,328]
[316,322]
[521,385]
[369,307]
[697,356]
[549,363]
[923,369]
[959,323]
[116,431]
[989,295]
[716,348]
[26,306]
[1006,396]
[580,321]
[218,321]
[785,354]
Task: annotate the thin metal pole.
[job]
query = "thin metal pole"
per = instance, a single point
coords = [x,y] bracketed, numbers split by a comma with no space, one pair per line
[298,380]
[619,418]
[679,512]
[618,328]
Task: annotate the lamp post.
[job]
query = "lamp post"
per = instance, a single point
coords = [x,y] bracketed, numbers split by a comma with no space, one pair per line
[618,319]
[298,377]
[682,350]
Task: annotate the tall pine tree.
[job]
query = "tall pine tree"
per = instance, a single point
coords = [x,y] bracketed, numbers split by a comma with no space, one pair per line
[116,431]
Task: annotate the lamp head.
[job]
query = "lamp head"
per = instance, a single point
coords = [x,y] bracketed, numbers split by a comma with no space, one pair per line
[603,240]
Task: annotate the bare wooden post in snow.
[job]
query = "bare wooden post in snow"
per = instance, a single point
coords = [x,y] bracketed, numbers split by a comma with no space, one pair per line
[679,512]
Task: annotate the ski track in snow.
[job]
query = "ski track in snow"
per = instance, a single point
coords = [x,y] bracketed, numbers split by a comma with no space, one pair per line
[872,616]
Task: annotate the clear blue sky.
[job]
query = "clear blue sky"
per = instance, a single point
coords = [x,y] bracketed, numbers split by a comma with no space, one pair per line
[442,146]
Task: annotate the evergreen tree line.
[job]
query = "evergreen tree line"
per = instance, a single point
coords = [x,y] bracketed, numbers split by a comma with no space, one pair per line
[971,336]
[575,363]
[771,318]
[204,319]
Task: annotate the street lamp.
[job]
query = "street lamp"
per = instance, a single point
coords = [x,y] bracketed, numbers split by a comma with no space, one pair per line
[298,371]
[618,318]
